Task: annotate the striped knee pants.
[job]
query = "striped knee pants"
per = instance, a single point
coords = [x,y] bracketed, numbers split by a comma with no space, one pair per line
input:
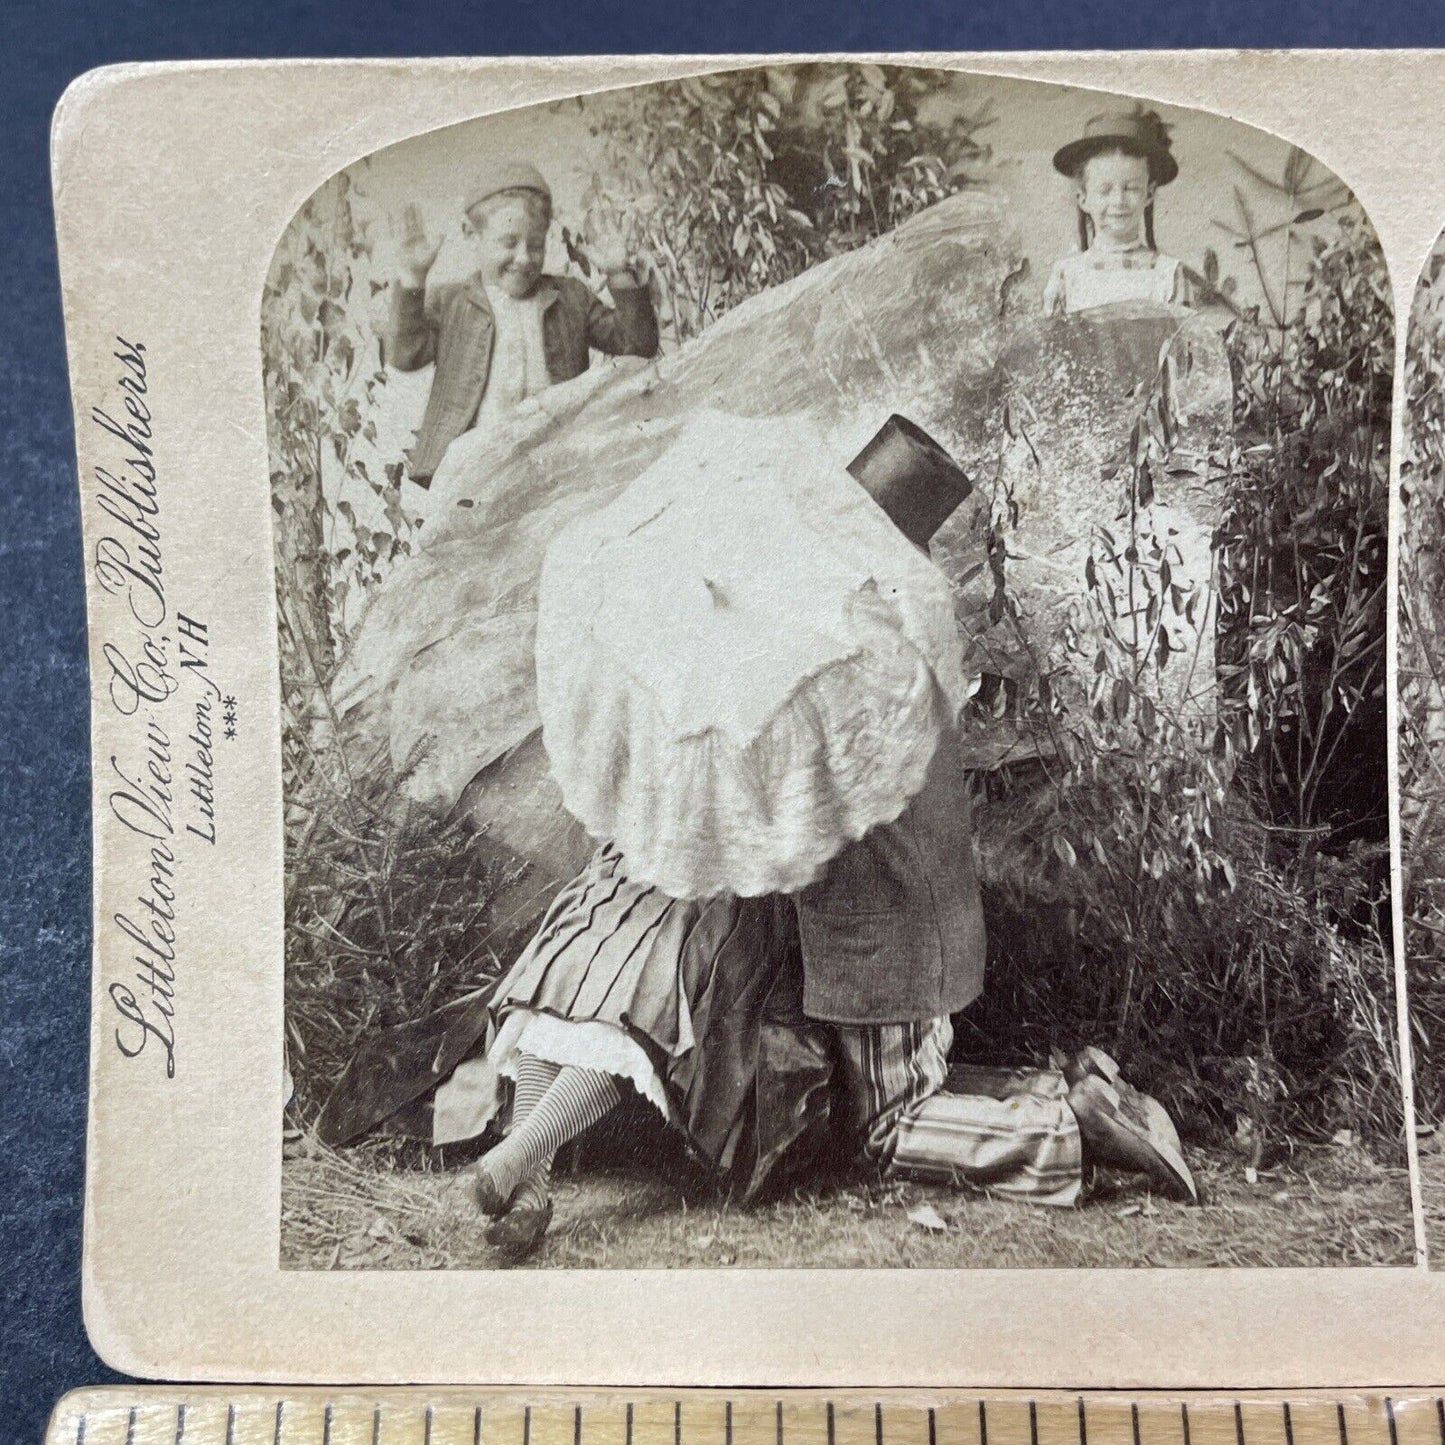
[1009,1131]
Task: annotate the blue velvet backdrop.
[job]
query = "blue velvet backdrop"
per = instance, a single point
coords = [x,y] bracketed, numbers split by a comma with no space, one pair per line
[45,839]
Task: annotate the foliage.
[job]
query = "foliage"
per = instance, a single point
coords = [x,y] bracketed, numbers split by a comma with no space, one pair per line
[735,182]
[1247,1007]
[1224,888]
[1119,811]
[1272,217]
[1422,683]
[322,377]
[1303,551]
[388,917]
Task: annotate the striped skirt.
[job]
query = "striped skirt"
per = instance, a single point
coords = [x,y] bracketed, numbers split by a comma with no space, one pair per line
[617,952]
[690,1000]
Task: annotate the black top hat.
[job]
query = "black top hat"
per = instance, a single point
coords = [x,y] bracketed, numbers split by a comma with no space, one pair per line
[911,477]
[1138,132]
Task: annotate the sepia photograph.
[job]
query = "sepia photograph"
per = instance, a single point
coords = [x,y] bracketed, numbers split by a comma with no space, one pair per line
[1421,674]
[832,643]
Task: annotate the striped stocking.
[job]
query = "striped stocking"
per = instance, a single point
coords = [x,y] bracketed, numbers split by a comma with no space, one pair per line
[521,1165]
[534,1077]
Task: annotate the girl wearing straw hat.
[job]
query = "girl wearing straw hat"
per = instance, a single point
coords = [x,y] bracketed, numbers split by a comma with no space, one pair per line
[1117,166]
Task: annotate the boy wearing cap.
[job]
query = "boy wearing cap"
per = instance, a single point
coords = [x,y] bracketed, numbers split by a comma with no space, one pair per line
[510,330]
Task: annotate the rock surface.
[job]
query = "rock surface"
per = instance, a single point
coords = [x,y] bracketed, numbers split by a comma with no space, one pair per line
[917,323]
[1066,395]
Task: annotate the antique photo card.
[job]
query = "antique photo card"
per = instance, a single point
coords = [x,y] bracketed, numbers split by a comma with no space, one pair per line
[746,701]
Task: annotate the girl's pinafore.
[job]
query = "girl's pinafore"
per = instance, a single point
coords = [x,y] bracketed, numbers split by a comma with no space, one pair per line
[1102,276]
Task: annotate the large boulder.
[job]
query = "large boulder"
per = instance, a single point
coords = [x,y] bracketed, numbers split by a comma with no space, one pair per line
[441,663]
[1055,484]
[921,323]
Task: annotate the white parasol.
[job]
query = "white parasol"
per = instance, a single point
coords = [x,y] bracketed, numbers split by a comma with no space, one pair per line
[742,664]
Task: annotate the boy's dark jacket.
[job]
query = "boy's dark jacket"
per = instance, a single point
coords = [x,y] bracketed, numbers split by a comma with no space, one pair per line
[893,931]
[454,328]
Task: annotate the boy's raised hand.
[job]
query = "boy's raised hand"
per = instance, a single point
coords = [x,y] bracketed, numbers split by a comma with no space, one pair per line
[415,253]
[609,254]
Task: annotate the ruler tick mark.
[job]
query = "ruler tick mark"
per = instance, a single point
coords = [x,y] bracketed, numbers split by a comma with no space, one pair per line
[778,1423]
[932,1427]
[280,1416]
[1390,1419]
[982,1424]
[577,1425]
[326,1424]
[1238,1424]
[629,1425]
[1033,1423]
[1084,1425]
[526,1425]
[878,1422]
[677,1422]
[230,1425]
[728,1422]
[477,1425]
[1340,1421]
[831,1440]
[1133,1421]
[376,1426]
[426,1432]
[180,1424]
[1439,1416]
[130,1427]
[1184,1420]
[1288,1425]
[80,1431]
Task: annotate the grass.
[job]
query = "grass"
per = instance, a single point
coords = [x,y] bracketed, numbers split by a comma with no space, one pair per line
[1328,1205]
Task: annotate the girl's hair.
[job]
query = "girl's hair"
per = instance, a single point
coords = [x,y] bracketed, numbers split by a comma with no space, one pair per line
[539,208]
[1086,225]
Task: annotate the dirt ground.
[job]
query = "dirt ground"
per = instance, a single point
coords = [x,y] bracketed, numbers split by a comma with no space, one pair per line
[1329,1205]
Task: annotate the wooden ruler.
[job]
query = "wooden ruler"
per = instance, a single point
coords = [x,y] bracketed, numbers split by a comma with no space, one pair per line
[143,1415]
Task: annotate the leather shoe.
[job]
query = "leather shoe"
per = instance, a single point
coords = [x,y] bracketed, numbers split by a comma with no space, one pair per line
[1140,1139]
[485,1194]
[1089,1060]
[1142,1109]
[516,1235]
